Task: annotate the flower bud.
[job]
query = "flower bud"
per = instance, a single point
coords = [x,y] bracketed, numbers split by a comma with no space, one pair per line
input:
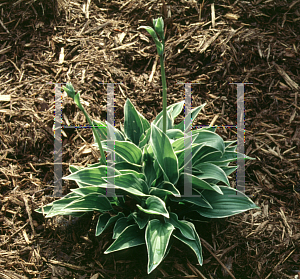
[70,90]
[159,45]
[159,27]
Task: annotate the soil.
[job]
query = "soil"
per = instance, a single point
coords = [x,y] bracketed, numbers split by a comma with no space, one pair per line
[210,44]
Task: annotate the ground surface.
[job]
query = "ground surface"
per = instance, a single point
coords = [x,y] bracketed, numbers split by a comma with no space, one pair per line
[236,41]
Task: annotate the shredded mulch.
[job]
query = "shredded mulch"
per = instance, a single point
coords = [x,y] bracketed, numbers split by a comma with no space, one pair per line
[212,43]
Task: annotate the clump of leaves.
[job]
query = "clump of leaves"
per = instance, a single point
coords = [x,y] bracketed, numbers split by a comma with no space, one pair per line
[150,172]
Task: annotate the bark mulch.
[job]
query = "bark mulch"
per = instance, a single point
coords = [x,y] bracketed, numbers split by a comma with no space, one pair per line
[212,43]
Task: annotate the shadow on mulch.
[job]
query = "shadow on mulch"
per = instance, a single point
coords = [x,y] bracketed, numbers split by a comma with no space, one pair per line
[209,44]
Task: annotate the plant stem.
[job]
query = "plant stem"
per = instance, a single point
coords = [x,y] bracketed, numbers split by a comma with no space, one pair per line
[69,89]
[164,85]
[102,159]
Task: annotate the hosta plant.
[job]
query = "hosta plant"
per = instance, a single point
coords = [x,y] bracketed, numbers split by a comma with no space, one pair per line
[148,207]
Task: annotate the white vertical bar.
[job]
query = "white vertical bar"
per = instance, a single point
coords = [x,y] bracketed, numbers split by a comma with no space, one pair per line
[240,173]
[110,190]
[240,181]
[187,142]
[188,186]
[57,143]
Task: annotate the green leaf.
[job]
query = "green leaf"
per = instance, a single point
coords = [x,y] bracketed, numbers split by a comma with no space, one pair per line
[201,153]
[90,202]
[121,224]
[209,139]
[211,171]
[174,110]
[158,170]
[179,145]
[148,168]
[195,245]
[57,206]
[134,123]
[164,189]
[196,171]
[196,148]
[185,229]
[77,101]
[144,139]
[209,128]
[232,202]
[101,129]
[118,135]
[137,174]
[130,237]
[77,168]
[130,183]
[175,134]
[217,158]
[157,181]
[199,201]
[157,236]
[228,144]
[127,166]
[231,148]
[45,209]
[90,176]
[194,114]
[154,205]
[229,170]
[155,166]
[95,189]
[88,190]
[145,122]
[164,154]
[127,150]
[105,220]
[170,122]
[91,165]
[198,183]
[141,219]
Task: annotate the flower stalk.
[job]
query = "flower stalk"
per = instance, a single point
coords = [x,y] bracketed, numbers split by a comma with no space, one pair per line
[160,45]
[76,97]
[164,86]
